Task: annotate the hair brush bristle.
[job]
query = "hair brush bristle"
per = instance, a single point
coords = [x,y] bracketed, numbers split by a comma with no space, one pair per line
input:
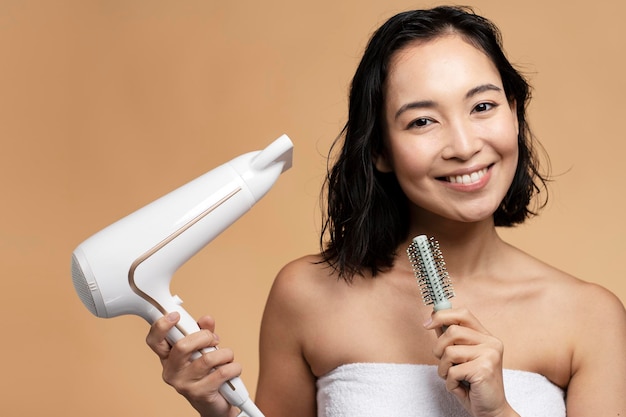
[430,271]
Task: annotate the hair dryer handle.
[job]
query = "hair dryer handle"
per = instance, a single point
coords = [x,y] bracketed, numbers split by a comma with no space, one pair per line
[233,390]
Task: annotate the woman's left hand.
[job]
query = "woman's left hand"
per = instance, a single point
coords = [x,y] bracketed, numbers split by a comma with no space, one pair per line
[470,361]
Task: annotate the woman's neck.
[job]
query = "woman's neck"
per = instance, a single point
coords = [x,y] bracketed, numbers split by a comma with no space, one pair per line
[468,248]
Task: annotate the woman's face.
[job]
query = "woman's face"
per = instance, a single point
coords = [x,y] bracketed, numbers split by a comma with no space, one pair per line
[451,134]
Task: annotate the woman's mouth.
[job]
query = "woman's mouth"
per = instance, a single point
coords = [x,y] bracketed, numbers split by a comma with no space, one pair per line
[466,179]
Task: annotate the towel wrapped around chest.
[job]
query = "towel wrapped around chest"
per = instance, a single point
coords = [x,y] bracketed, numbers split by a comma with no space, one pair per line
[407,390]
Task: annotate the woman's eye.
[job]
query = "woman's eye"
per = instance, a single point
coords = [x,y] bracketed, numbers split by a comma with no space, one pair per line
[421,122]
[482,107]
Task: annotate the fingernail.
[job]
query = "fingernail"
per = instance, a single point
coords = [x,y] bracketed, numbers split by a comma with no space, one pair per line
[428,322]
[173,316]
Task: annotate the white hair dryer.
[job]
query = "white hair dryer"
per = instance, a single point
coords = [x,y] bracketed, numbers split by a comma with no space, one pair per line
[127,267]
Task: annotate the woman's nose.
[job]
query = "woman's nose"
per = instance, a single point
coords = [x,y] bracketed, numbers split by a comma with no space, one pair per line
[462,142]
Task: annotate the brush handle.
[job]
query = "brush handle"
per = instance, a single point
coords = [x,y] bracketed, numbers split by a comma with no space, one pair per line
[465,383]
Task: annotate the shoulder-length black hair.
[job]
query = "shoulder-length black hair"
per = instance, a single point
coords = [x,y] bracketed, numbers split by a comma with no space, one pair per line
[367,212]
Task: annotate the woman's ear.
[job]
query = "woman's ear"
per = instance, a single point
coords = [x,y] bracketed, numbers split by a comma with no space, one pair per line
[513,106]
[382,164]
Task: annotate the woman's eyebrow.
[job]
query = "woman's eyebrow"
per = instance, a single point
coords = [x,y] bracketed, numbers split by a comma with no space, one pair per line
[481,89]
[422,104]
[415,105]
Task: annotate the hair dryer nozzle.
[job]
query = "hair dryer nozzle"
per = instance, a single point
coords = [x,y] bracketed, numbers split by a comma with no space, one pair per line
[281,150]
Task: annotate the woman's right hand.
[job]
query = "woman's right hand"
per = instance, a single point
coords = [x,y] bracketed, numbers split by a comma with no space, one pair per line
[468,352]
[197,380]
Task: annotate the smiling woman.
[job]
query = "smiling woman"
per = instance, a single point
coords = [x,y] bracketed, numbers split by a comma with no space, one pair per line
[454,121]
[106,105]
[436,144]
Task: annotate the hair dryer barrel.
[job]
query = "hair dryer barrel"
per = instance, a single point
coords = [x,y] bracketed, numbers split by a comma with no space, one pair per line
[126,268]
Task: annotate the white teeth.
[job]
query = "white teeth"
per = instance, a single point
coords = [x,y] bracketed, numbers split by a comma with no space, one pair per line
[467,178]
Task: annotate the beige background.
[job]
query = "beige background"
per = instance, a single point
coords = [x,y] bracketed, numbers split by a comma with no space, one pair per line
[106,105]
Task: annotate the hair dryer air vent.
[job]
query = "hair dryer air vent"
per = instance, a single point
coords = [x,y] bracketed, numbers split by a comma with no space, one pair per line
[86,289]
[81,286]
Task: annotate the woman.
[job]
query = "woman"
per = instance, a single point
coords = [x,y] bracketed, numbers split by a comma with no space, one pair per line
[436,143]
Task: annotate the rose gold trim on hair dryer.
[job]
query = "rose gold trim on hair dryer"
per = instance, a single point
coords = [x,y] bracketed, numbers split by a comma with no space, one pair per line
[161,245]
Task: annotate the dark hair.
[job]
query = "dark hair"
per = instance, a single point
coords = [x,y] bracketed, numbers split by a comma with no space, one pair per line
[367,212]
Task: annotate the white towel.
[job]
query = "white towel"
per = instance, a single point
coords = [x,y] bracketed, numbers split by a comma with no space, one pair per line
[407,390]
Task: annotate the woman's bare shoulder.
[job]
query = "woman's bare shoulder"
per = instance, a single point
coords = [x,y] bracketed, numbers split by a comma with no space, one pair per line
[309,270]
[307,266]
[590,301]
[593,320]
[581,297]
[301,284]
